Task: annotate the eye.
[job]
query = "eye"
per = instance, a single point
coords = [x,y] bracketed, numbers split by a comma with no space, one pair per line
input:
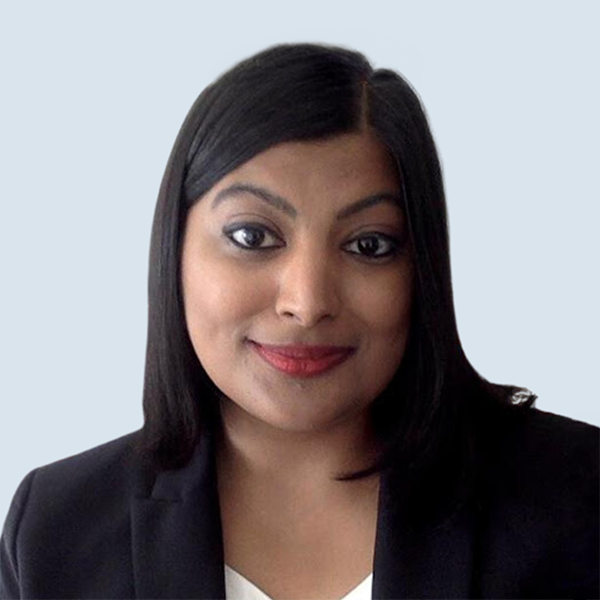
[252,236]
[373,245]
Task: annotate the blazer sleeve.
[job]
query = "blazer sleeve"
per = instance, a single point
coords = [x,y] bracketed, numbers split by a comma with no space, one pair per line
[9,554]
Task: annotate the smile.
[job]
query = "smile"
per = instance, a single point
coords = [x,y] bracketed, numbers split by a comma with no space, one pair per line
[303,361]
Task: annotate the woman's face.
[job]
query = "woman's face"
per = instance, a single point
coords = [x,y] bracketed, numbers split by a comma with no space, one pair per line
[304,245]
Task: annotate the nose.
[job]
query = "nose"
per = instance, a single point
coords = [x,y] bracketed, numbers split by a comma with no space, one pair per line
[308,289]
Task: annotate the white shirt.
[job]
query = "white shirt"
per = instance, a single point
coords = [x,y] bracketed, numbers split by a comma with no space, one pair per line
[237,587]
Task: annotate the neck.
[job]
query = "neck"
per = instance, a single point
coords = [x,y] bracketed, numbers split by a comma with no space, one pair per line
[252,451]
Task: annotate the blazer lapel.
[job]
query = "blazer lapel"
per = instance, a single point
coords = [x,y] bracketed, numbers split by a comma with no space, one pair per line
[176,533]
[432,561]
[178,546]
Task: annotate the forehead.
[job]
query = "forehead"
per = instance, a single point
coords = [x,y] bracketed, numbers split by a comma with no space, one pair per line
[351,163]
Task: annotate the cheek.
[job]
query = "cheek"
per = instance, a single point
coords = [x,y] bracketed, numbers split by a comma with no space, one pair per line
[219,296]
[386,317]
[386,307]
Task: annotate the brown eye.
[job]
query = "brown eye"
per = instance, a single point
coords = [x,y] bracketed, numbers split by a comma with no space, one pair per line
[251,236]
[373,245]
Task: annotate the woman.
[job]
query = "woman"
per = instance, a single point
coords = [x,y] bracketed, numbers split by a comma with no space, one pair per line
[312,428]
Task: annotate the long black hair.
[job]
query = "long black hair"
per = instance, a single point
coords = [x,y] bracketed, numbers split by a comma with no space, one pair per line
[428,412]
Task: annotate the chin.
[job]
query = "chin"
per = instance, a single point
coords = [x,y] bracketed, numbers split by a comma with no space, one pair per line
[306,419]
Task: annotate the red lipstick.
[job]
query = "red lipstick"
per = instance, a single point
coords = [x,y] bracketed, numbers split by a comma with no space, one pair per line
[303,360]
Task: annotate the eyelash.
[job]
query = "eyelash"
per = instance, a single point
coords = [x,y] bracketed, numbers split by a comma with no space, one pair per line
[230,231]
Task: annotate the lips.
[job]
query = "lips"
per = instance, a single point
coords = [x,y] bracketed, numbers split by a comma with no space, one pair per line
[303,360]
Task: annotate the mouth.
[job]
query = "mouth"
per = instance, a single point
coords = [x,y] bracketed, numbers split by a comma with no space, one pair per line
[303,360]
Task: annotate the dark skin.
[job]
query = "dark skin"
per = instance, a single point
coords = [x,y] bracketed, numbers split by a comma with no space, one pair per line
[288,526]
[295,536]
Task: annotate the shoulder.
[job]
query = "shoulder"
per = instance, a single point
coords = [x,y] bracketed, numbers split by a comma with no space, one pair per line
[547,425]
[104,453]
[105,466]
[69,509]
[546,458]
[88,487]
[538,443]
[111,470]
[540,499]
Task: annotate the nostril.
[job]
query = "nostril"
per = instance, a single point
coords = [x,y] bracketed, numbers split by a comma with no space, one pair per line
[307,289]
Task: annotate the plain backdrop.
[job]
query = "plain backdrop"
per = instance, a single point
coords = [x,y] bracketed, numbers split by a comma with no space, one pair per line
[92,97]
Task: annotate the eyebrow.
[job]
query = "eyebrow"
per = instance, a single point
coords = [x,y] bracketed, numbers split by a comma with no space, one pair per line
[285,206]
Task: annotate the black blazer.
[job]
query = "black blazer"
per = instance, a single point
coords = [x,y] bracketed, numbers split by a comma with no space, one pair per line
[97,525]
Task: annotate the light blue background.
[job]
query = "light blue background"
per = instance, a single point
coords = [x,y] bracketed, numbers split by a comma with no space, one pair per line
[93,94]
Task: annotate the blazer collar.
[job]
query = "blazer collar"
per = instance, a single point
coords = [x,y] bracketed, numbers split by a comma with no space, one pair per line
[432,560]
[177,540]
